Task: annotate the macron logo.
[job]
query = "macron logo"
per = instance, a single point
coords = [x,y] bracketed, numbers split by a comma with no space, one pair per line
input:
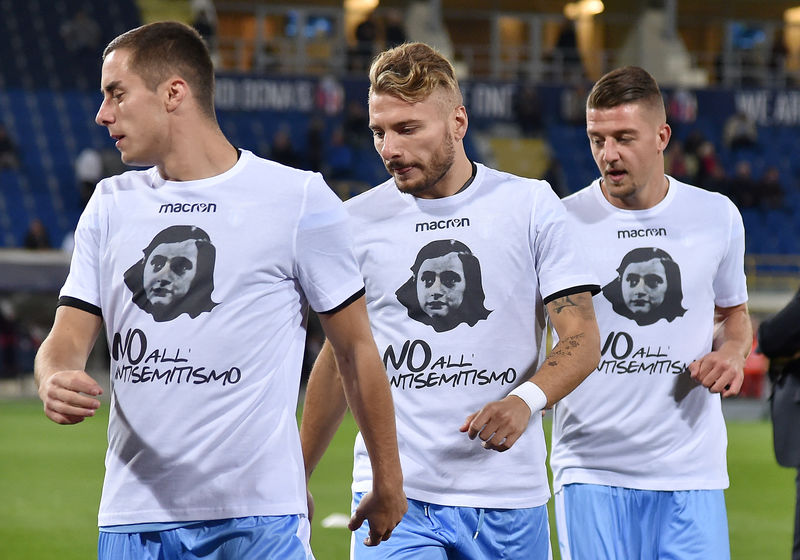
[178,207]
[644,232]
[442,224]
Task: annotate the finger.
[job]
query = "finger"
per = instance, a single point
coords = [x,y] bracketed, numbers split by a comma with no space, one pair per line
[374,538]
[465,426]
[490,430]
[387,535]
[68,409]
[495,444]
[356,520]
[86,387]
[74,399]
[62,418]
[732,389]
[694,369]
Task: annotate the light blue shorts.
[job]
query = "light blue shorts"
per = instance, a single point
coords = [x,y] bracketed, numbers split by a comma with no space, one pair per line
[434,532]
[280,537]
[597,522]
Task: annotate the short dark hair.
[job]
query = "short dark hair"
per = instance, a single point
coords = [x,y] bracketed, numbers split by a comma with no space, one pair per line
[163,48]
[629,84]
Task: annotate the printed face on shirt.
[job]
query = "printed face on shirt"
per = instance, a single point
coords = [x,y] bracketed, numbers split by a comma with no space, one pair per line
[416,141]
[441,285]
[445,288]
[644,285]
[647,287]
[169,272]
[135,116]
[175,274]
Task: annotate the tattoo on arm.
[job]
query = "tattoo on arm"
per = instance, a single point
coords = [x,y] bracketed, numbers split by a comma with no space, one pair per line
[563,349]
[562,303]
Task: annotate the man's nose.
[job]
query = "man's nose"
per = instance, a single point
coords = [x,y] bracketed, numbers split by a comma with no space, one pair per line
[390,147]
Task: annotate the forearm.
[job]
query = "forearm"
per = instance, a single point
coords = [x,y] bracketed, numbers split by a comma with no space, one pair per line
[577,352]
[324,408]
[369,397]
[733,334]
[571,360]
[68,345]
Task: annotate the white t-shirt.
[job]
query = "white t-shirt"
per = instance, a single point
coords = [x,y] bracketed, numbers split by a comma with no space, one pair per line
[639,421]
[465,329]
[204,287]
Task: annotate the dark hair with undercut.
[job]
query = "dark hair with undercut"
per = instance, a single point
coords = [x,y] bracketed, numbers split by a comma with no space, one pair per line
[412,72]
[630,84]
[161,49]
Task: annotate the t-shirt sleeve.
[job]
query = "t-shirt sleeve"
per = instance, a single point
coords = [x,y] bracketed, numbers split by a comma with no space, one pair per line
[82,287]
[326,263]
[730,283]
[560,265]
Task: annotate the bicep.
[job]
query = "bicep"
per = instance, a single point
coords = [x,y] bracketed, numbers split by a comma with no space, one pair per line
[572,314]
[75,329]
[346,327]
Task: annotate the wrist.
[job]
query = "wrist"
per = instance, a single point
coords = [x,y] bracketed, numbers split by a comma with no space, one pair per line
[531,394]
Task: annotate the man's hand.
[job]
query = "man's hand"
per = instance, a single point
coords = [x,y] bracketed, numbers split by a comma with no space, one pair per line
[310,502]
[720,373]
[69,396]
[499,424]
[383,512]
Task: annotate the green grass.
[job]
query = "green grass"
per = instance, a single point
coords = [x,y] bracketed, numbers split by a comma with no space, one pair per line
[50,479]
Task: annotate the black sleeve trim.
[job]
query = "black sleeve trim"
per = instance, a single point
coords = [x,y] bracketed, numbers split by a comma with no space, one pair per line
[79,304]
[593,288]
[346,302]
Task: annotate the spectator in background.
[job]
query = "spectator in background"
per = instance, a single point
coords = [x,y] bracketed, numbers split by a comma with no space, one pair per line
[9,155]
[315,144]
[740,132]
[770,189]
[88,172]
[204,20]
[693,141]
[527,110]
[555,177]
[394,30]
[573,105]
[9,340]
[81,34]
[366,39]
[282,150]
[339,159]
[779,340]
[743,189]
[707,162]
[356,124]
[678,163]
[777,59]
[565,56]
[36,237]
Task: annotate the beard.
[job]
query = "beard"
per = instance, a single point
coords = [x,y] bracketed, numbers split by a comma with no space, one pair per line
[440,163]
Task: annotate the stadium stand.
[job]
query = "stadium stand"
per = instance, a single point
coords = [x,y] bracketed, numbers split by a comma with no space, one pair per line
[48,100]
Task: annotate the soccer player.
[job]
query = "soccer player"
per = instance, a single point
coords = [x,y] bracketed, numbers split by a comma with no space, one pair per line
[204,458]
[639,447]
[468,386]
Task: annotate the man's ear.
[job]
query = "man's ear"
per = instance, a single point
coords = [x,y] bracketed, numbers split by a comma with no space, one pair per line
[461,122]
[176,91]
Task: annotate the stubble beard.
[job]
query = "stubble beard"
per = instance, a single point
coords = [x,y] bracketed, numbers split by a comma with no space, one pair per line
[440,164]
